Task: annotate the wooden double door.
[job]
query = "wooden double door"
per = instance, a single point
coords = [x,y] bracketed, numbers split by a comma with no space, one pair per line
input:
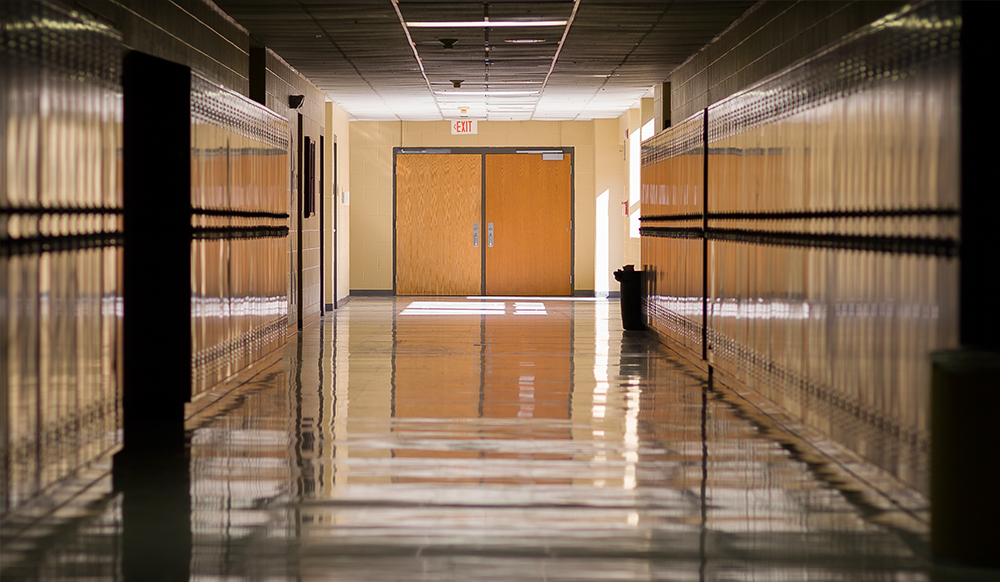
[484,223]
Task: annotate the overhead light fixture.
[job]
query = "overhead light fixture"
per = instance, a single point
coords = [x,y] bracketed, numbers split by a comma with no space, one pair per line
[448,42]
[525,40]
[457,82]
[485,23]
[486,93]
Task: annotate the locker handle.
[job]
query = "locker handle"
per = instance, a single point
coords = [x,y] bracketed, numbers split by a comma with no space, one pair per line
[489,234]
[475,234]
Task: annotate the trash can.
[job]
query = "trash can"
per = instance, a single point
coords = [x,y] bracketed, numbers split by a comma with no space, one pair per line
[631,297]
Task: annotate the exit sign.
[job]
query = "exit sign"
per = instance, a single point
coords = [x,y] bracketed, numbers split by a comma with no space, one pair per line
[464,126]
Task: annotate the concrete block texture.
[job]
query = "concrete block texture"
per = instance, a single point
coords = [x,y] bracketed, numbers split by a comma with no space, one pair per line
[770,36]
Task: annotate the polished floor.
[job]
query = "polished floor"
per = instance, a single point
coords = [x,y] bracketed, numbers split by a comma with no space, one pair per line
[499,439]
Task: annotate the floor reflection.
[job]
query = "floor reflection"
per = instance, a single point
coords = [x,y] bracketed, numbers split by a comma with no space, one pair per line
[534,442]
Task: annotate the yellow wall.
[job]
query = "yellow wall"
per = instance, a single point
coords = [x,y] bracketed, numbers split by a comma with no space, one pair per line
[371,202]
[647,111]
[338,130]
[598,167]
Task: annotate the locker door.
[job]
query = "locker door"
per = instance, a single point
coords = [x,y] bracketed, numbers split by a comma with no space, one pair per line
[438,203]
[528,204]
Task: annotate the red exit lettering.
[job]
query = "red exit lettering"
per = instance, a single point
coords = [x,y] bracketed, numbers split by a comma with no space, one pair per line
[463,126]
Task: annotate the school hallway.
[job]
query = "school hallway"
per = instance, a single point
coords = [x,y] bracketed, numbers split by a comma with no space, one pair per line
[493,439]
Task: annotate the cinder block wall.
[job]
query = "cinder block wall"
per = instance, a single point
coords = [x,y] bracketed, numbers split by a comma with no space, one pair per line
[767,38]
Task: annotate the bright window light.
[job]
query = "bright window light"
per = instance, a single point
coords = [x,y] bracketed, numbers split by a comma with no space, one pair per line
[454,308]
[513,298]
[455,305]
[473,308]
[647,130]
[409,311]
[529,308]
[634,155]
[602,242]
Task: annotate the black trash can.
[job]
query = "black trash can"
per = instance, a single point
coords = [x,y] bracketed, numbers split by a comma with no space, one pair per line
[631,292]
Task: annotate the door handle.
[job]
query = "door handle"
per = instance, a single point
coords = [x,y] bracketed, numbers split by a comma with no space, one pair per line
[475,234]
[489,234]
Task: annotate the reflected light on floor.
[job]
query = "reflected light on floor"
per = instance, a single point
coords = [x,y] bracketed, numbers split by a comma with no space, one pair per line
[454,308]
[488,449]
[473,308]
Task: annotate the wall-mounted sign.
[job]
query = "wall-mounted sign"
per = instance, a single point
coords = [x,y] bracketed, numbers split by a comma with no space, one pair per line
[464,126]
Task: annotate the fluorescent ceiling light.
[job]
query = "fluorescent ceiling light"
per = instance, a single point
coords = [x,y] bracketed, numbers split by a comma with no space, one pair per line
[485,23]
[524,40]
[483,93]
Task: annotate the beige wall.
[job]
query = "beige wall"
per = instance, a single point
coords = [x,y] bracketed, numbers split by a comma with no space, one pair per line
[371,202]
[337,131]
[647,107]
[596,143]
[661,106]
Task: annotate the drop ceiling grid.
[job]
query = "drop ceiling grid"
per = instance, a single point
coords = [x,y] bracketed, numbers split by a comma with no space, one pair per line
[357,52]
[482,60]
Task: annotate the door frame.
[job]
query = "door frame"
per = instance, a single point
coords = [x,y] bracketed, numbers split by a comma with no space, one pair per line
[484,151]
[336,217]
[334,210]
[299,220]
[322,225]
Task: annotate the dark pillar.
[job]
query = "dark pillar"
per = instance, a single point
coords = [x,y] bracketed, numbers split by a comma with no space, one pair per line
[258,74]
[157,266]
[156,519]
[965,461]
[664,106]
[965,470]
[980,250]
[153,468]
